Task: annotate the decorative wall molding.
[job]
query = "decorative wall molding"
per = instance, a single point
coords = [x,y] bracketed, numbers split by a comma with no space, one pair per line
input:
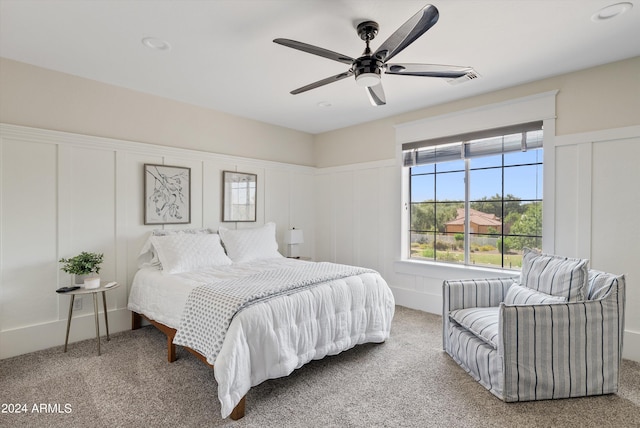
[511,112]
[598,136]
[101,143]
[343,192]
[356,167]
[354,211]
[74,192]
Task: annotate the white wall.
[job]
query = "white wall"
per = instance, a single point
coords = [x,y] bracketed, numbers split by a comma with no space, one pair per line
[595,208]
[357,215]
[65,193]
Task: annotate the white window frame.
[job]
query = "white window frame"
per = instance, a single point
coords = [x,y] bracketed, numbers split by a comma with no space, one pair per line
[511,112]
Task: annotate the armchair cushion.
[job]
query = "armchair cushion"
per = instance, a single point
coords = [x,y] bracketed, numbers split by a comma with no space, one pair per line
[483,322]
[518,295]
[555,275]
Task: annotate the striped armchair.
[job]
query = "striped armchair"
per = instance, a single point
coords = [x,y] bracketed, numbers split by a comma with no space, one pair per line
[523,344]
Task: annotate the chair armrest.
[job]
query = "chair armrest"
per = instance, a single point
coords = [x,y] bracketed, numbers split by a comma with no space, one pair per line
[474,293]
[471,293]
[561,350]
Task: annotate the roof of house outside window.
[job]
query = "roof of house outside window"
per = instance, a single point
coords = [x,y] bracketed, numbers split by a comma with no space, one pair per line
[476,217]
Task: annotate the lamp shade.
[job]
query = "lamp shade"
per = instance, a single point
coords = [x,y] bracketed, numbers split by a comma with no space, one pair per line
[294,236]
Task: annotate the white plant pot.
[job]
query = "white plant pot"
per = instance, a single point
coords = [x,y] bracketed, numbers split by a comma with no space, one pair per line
[93,282]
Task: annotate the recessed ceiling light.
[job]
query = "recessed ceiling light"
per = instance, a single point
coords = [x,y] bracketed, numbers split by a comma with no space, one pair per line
[611,11]
[324,104]
[155,43]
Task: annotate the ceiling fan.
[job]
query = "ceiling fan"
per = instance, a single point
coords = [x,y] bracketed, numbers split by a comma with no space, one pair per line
[368,67]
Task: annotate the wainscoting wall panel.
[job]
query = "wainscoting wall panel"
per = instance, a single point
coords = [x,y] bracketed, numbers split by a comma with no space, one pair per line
[86,216]
[358,208]
[594,201]
[65,193]
[28,233]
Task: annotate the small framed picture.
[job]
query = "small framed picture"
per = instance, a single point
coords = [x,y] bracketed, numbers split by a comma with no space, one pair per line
[239,196]
[167,194]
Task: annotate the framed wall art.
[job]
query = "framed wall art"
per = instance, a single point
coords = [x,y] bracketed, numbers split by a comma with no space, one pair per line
[167,194]
[239,196]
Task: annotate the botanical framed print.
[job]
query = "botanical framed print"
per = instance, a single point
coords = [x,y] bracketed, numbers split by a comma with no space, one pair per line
[167,194]
[239,196]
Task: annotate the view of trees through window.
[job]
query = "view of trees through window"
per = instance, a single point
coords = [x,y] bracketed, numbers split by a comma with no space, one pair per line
[504,204]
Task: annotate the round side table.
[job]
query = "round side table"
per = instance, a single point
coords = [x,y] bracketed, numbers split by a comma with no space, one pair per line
[93,291]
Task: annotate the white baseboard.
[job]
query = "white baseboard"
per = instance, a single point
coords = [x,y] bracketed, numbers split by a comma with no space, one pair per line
[631,345]
[430,303]
[42,336]
[34,338]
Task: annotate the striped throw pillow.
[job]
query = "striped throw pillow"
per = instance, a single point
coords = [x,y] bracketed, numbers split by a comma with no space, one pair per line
[601,284]
[518,295]
[555,275]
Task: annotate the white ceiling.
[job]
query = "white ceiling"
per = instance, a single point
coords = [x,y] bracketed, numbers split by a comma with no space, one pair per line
[222,55]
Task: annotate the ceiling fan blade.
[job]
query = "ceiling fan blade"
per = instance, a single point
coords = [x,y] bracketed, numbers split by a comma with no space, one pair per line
[323,82]
[346,59]
[376,95]
[408,32]
[428,70]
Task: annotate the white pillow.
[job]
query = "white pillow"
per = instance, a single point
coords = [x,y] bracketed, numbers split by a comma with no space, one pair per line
[148,256]
[189,252]
[518,295]
[245,245]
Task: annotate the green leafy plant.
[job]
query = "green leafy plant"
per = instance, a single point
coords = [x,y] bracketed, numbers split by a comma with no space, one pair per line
[82,264]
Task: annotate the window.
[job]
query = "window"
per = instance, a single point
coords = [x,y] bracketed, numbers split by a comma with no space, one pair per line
[477,200]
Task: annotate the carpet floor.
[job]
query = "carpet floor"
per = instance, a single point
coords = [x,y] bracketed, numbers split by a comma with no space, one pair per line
[406,382]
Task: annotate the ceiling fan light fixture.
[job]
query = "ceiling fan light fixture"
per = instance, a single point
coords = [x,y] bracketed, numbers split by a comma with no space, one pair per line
[368,79]
[367,70]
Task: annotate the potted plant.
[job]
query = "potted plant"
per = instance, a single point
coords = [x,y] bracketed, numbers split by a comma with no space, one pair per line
[82,267]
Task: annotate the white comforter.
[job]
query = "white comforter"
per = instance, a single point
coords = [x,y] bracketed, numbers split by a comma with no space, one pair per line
[271,339]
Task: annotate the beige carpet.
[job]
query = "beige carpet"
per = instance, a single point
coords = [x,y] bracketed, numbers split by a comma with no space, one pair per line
[408,381]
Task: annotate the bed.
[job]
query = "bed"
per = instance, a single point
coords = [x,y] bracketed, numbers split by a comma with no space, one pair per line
[250,313]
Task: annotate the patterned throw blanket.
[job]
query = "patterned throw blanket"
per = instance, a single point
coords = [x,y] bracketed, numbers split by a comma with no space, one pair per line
[210,308]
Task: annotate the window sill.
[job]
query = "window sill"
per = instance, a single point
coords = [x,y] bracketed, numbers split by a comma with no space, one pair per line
[435,269]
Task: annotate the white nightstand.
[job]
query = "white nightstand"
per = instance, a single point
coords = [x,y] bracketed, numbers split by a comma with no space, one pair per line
[94,291]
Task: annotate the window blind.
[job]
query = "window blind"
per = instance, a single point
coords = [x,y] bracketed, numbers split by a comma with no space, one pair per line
[482,143]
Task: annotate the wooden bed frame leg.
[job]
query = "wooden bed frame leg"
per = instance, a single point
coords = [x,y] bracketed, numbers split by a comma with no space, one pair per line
[238,411]
[136,321]
[171,349]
